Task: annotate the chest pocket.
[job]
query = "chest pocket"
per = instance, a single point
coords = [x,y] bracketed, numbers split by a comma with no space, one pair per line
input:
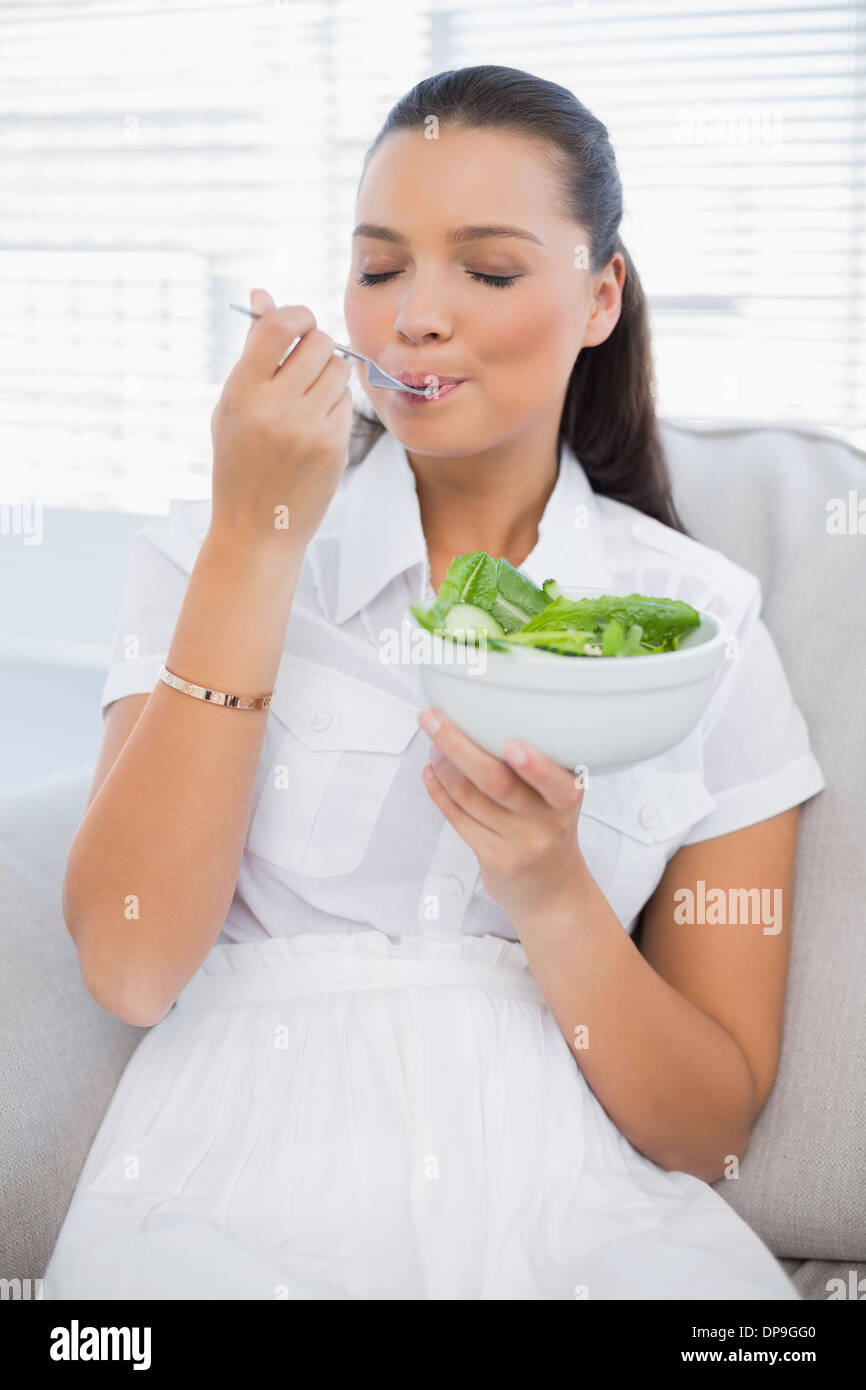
[633,821]
[333,748]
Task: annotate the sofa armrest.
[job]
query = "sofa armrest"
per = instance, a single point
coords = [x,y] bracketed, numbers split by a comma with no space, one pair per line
[63,1054]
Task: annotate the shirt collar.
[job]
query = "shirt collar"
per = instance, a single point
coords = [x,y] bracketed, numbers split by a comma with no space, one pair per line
[382,535]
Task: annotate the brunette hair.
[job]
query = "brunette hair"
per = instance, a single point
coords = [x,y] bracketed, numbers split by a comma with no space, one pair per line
[608,415]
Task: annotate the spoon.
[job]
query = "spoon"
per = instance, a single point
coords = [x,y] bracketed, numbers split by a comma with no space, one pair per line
[375,375]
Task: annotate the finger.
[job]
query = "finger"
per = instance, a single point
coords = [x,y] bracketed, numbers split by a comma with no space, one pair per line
[260,303]
[478,837]
[471,798]
[559,787]
[489,773]
[311,359]
[331,383]
[268,341]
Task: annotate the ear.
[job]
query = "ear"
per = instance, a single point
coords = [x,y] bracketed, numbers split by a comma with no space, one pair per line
[606,301]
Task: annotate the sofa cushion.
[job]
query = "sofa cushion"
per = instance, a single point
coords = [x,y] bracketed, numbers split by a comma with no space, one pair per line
[764,496]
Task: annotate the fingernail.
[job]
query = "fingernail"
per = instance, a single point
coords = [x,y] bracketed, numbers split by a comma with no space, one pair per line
[514,753]
[429,721]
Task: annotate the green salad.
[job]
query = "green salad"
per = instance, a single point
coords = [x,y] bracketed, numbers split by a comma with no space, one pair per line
[483,595]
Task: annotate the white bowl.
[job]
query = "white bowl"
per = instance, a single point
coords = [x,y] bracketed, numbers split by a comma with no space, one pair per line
[601,713]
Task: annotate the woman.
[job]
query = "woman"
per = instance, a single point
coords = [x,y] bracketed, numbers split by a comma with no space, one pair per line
[404,1046]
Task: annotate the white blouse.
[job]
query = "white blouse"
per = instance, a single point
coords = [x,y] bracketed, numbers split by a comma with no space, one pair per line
[343,835]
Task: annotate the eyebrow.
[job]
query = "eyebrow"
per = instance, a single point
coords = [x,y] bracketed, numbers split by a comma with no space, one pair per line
[453,238]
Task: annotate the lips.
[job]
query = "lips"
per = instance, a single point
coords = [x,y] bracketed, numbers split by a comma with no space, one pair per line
[422,379]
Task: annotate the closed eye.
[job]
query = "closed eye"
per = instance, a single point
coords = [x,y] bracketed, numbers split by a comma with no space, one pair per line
[500,281]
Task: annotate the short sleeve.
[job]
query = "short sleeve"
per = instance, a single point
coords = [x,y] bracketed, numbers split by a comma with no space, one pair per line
[758,760]
[150,602]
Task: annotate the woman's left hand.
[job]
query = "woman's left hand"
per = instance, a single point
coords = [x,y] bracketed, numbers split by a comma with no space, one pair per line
[519,818]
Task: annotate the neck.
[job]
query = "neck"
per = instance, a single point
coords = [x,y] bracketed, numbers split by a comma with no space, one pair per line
[492,500]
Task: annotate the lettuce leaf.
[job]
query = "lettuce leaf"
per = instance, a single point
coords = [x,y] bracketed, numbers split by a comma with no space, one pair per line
[609,625]
[662,620]
[494,585]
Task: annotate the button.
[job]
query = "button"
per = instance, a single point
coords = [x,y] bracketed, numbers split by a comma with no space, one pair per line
[321,719]
[648,815]
[453,885]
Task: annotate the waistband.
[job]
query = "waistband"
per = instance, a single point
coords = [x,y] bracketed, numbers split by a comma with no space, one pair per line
[324,962]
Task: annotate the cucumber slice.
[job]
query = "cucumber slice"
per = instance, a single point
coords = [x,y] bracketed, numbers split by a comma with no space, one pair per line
[551,588]
[613,638]
[470,618]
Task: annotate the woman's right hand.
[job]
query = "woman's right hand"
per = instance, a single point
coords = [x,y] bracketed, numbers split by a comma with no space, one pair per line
[280,437]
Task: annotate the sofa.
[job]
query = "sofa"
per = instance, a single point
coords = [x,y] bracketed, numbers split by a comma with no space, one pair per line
[764,495]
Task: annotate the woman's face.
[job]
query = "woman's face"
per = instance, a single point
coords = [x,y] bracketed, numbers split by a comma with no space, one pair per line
[513,336]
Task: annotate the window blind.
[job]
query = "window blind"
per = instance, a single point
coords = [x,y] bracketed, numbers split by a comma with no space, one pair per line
[158,159]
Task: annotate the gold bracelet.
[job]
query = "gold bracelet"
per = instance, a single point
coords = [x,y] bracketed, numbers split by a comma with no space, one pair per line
[216,697]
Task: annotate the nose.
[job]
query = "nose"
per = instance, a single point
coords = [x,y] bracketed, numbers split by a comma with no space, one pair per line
[422,316]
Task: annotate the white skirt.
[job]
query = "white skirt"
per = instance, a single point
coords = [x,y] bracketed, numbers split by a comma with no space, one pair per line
[353,1116]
